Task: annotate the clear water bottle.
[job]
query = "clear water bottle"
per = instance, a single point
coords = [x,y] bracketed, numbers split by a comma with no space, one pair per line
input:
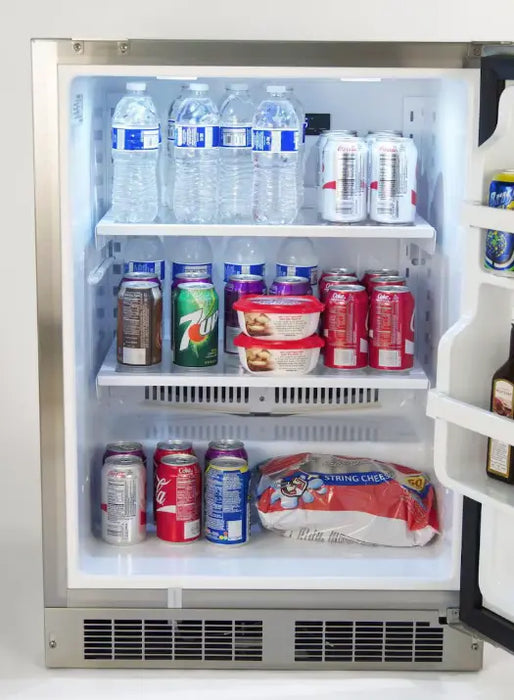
[147,254]
[190,254]
[296,256]
[300,112]
[170,150]
[236,170]
[196,157]
[136,137]
[276,139]
[244,255]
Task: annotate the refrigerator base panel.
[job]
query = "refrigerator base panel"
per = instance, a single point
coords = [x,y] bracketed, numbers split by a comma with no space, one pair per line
[257,639]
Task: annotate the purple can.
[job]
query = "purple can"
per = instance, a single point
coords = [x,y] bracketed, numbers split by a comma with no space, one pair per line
[183,277]
[226,448]
[122,447]
[238,286]
[141,277]
[290,285]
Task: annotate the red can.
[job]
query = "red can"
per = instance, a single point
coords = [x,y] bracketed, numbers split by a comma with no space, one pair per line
[345,327]
[163,449]
[338,271]
[178,498]
[332,279]
[386,281]
[391,329]
[384,271]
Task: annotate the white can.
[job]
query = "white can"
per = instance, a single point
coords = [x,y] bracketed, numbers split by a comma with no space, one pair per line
[344,179]
[392,185]
[123,500]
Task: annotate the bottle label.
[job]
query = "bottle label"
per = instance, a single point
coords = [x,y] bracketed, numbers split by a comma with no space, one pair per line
[311,272]
[197,136]
[171,130]
[235,136]
[240,269]
[498,457]
[204,268]
[136,139]
[276,140]
[153,267]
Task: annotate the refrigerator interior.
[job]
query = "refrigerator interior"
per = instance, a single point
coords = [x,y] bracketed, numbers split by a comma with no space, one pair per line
[361,414]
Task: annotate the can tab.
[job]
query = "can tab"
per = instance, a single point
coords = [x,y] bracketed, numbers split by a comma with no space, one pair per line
[174,597]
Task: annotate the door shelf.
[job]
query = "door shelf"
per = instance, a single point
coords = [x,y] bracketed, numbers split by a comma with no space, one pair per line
[228,373]
[307,224]
[482,216]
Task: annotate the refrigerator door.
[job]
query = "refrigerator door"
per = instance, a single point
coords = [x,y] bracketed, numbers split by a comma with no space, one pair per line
[469,354]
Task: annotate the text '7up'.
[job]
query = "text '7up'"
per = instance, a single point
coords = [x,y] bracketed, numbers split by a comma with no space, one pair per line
[195,332]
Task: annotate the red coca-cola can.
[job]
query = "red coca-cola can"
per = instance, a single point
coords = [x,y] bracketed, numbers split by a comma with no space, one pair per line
[178,498]
[345,327]
[386,281]
[338,271]
[163,449]
[331,279]
[369,274]
[391,328]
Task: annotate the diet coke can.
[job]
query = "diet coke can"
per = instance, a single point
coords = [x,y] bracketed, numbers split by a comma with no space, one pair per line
[290,285]
[225,448]
[122,447]
[123,500]
[178,498]
[344,179]
[391,329]
[392,185]
[330,280]
[381,272]
[165,448]
[237,287]
[345,327]
[339,271]
[386,281]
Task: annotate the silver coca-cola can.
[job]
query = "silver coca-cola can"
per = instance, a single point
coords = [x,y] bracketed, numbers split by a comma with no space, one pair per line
[392,188]
[344,179]
[178,498]
[345,327]
[124,447]
[123,500]
[391,329]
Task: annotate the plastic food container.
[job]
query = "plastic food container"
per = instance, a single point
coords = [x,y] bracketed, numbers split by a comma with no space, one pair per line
[280,317]
[278,356]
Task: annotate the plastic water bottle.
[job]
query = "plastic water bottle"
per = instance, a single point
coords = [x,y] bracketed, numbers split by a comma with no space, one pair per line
[236,170]
[300,113]
[136,137]
[276,139]
[296,256]
[170,150]
[190,254]
[244,255]
[147,254]
[196,157]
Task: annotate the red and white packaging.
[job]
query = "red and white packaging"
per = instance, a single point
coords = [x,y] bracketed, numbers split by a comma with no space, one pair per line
[178,498]
[332,279]
[386,281]
[391,329]
[163,449]
[329,498]
[381,272]
[345,327]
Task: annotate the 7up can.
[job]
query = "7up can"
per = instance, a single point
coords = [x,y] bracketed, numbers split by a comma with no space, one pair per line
[195,326]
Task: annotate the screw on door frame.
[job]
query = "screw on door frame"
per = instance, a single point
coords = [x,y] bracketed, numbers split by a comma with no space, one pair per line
[477,51]
[123,47]
[475,646]
[52,643]
[78,47]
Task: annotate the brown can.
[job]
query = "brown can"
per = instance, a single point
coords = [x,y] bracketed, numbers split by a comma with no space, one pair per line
[139,323]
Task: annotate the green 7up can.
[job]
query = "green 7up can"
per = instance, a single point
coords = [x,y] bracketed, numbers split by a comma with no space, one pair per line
[195,325]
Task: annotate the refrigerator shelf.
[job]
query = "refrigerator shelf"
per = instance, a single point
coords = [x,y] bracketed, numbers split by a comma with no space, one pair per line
[482,216]
[230,374]
[307,224]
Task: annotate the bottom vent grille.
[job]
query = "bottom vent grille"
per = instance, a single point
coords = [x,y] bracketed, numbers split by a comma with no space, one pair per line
[194,640]
[350,641]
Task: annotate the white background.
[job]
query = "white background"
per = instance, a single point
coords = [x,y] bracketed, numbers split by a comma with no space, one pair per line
[21,635]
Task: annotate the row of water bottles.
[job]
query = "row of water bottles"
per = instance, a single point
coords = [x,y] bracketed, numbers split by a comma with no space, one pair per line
[235,165]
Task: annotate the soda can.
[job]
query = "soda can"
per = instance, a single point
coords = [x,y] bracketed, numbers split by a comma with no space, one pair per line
[123,447]
[183,277]
[339,271]
[238,286]
[329,280]
[178,498]
[322,142]
[165,448]
[123,500]
[195,325]
[345,327]
[392,185]
[141,277]
[386,281]
[499,245]
[139,326]
[225,448]
[344,179]
[381,272]
[227,501]
[391,329]
[290,285]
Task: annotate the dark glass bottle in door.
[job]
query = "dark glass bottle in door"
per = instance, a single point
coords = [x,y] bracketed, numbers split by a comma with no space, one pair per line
[500,455]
